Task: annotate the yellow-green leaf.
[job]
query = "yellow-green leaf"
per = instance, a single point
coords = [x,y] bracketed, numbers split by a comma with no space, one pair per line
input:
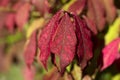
[116,77]
[77,73]
[66,6]
[113,31]
[38,23]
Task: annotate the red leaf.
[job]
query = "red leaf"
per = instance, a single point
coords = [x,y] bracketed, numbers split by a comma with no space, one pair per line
[10,17]
[46,37]
[64,42]
[4,3]
[29,73]
[22,15]
[41,5]
[30,49]
[10,21]
[96,13]
[77,6]
[18,5]
[59,37]
[84,47]
[110,53]
[110,9]
[91,25]
[2,20]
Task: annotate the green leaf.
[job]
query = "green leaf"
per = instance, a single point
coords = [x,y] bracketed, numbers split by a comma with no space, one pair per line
[68,68]
[106,76]
[12,38]
[14,73]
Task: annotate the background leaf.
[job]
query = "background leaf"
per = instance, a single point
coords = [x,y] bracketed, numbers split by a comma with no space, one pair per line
[22,15]
[113,31]
[110,53]
[36,24]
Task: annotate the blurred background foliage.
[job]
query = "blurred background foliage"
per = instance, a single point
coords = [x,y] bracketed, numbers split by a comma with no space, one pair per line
[20,18]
